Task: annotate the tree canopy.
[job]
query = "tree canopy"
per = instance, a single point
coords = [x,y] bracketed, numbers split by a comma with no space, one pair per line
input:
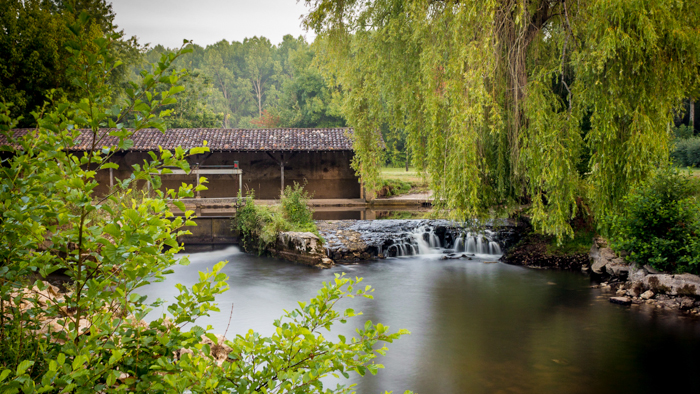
[33,50]
[254,84]
[505,102]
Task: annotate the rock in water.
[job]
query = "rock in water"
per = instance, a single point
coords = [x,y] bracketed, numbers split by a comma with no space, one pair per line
[647,295]
[621,300]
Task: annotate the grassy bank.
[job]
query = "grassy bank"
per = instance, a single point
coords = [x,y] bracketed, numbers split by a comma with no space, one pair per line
[398,181]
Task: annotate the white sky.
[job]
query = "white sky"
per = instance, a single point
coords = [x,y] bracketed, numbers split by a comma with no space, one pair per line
[168,22]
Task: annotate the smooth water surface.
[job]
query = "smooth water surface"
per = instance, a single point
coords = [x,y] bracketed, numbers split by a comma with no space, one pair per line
[476,327]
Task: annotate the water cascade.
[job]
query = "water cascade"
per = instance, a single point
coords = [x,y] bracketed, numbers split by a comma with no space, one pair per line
[423,240]
[354,240]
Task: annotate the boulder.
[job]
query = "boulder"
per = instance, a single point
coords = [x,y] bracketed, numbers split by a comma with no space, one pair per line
[686,303]
[304,242]
[605,261]
[676,285]
[647,295]
[327,263]
[621,300]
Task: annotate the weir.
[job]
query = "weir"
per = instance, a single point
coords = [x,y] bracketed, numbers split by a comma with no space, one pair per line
[353,240]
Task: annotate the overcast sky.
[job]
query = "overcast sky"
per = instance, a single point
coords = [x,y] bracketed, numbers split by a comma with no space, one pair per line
[205,22]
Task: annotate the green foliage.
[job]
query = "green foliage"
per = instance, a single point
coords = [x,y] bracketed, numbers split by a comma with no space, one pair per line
[33,51]
[682,132]
[295,205]
[259,225]
[503,101]
[686,152]
[306,99]
[253,84]
[297,355]
[394,187]
[250,222]
[92,337]
[660,223]
[580,243]
[84,339]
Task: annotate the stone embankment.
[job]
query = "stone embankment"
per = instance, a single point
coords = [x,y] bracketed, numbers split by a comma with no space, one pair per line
[301,247]
[643,285]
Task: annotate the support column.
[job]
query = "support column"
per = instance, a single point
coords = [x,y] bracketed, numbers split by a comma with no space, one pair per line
[240,185]
[282,173]
[197,172]
[111,178]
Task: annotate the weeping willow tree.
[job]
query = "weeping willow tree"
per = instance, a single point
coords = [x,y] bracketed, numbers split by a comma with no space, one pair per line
[509,102]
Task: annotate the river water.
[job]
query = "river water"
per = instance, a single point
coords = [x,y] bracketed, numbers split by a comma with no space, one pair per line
[476,327]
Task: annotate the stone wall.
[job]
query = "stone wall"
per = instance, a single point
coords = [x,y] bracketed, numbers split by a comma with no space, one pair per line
[301,247]
[327,174]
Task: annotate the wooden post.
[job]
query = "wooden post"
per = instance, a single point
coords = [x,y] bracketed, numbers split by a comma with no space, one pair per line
[111,178]
[282,173]
[197,172]
[240,185]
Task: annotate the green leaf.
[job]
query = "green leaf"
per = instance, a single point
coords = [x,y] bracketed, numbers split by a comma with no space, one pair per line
[23,366]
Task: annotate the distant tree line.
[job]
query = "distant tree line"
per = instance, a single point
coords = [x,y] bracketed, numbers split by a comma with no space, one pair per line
[254,84]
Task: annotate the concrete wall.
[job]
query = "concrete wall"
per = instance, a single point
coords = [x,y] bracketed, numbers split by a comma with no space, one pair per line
[210,231]
[328,174]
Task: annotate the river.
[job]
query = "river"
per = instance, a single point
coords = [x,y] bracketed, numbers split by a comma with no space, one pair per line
[476,327]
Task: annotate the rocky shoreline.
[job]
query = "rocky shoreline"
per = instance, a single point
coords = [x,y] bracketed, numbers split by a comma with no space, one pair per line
[624,283]
[630,284]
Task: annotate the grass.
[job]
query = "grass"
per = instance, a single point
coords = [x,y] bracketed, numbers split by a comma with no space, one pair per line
[397,181]
[694,172]
[402,215]
[412,175]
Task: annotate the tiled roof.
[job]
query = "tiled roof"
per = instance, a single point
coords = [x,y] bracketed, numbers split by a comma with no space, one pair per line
[228,139]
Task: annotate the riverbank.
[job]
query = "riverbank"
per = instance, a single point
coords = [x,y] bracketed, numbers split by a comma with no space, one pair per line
[623,282]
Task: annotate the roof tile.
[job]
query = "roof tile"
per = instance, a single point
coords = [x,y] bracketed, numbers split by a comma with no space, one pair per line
[228,139]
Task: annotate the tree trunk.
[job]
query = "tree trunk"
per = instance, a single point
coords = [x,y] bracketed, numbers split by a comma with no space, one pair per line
[691,120]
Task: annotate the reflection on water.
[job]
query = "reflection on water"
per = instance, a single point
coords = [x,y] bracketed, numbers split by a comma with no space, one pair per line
[476,327]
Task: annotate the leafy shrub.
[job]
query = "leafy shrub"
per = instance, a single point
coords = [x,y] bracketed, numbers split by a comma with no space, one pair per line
[259,225]
[660,224]
[686,152]
[250,222]
[295,205]
[683,132]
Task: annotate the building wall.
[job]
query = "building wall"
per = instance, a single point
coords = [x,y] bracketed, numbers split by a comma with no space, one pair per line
[327,174]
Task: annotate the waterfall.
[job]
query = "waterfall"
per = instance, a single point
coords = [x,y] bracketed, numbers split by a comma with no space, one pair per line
[423,246]
[401,238]
[459,244]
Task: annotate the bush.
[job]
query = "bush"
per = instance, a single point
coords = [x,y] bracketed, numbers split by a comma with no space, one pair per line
[295,206]
[686,152]
[683,132]
[660,224]
[259,226]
